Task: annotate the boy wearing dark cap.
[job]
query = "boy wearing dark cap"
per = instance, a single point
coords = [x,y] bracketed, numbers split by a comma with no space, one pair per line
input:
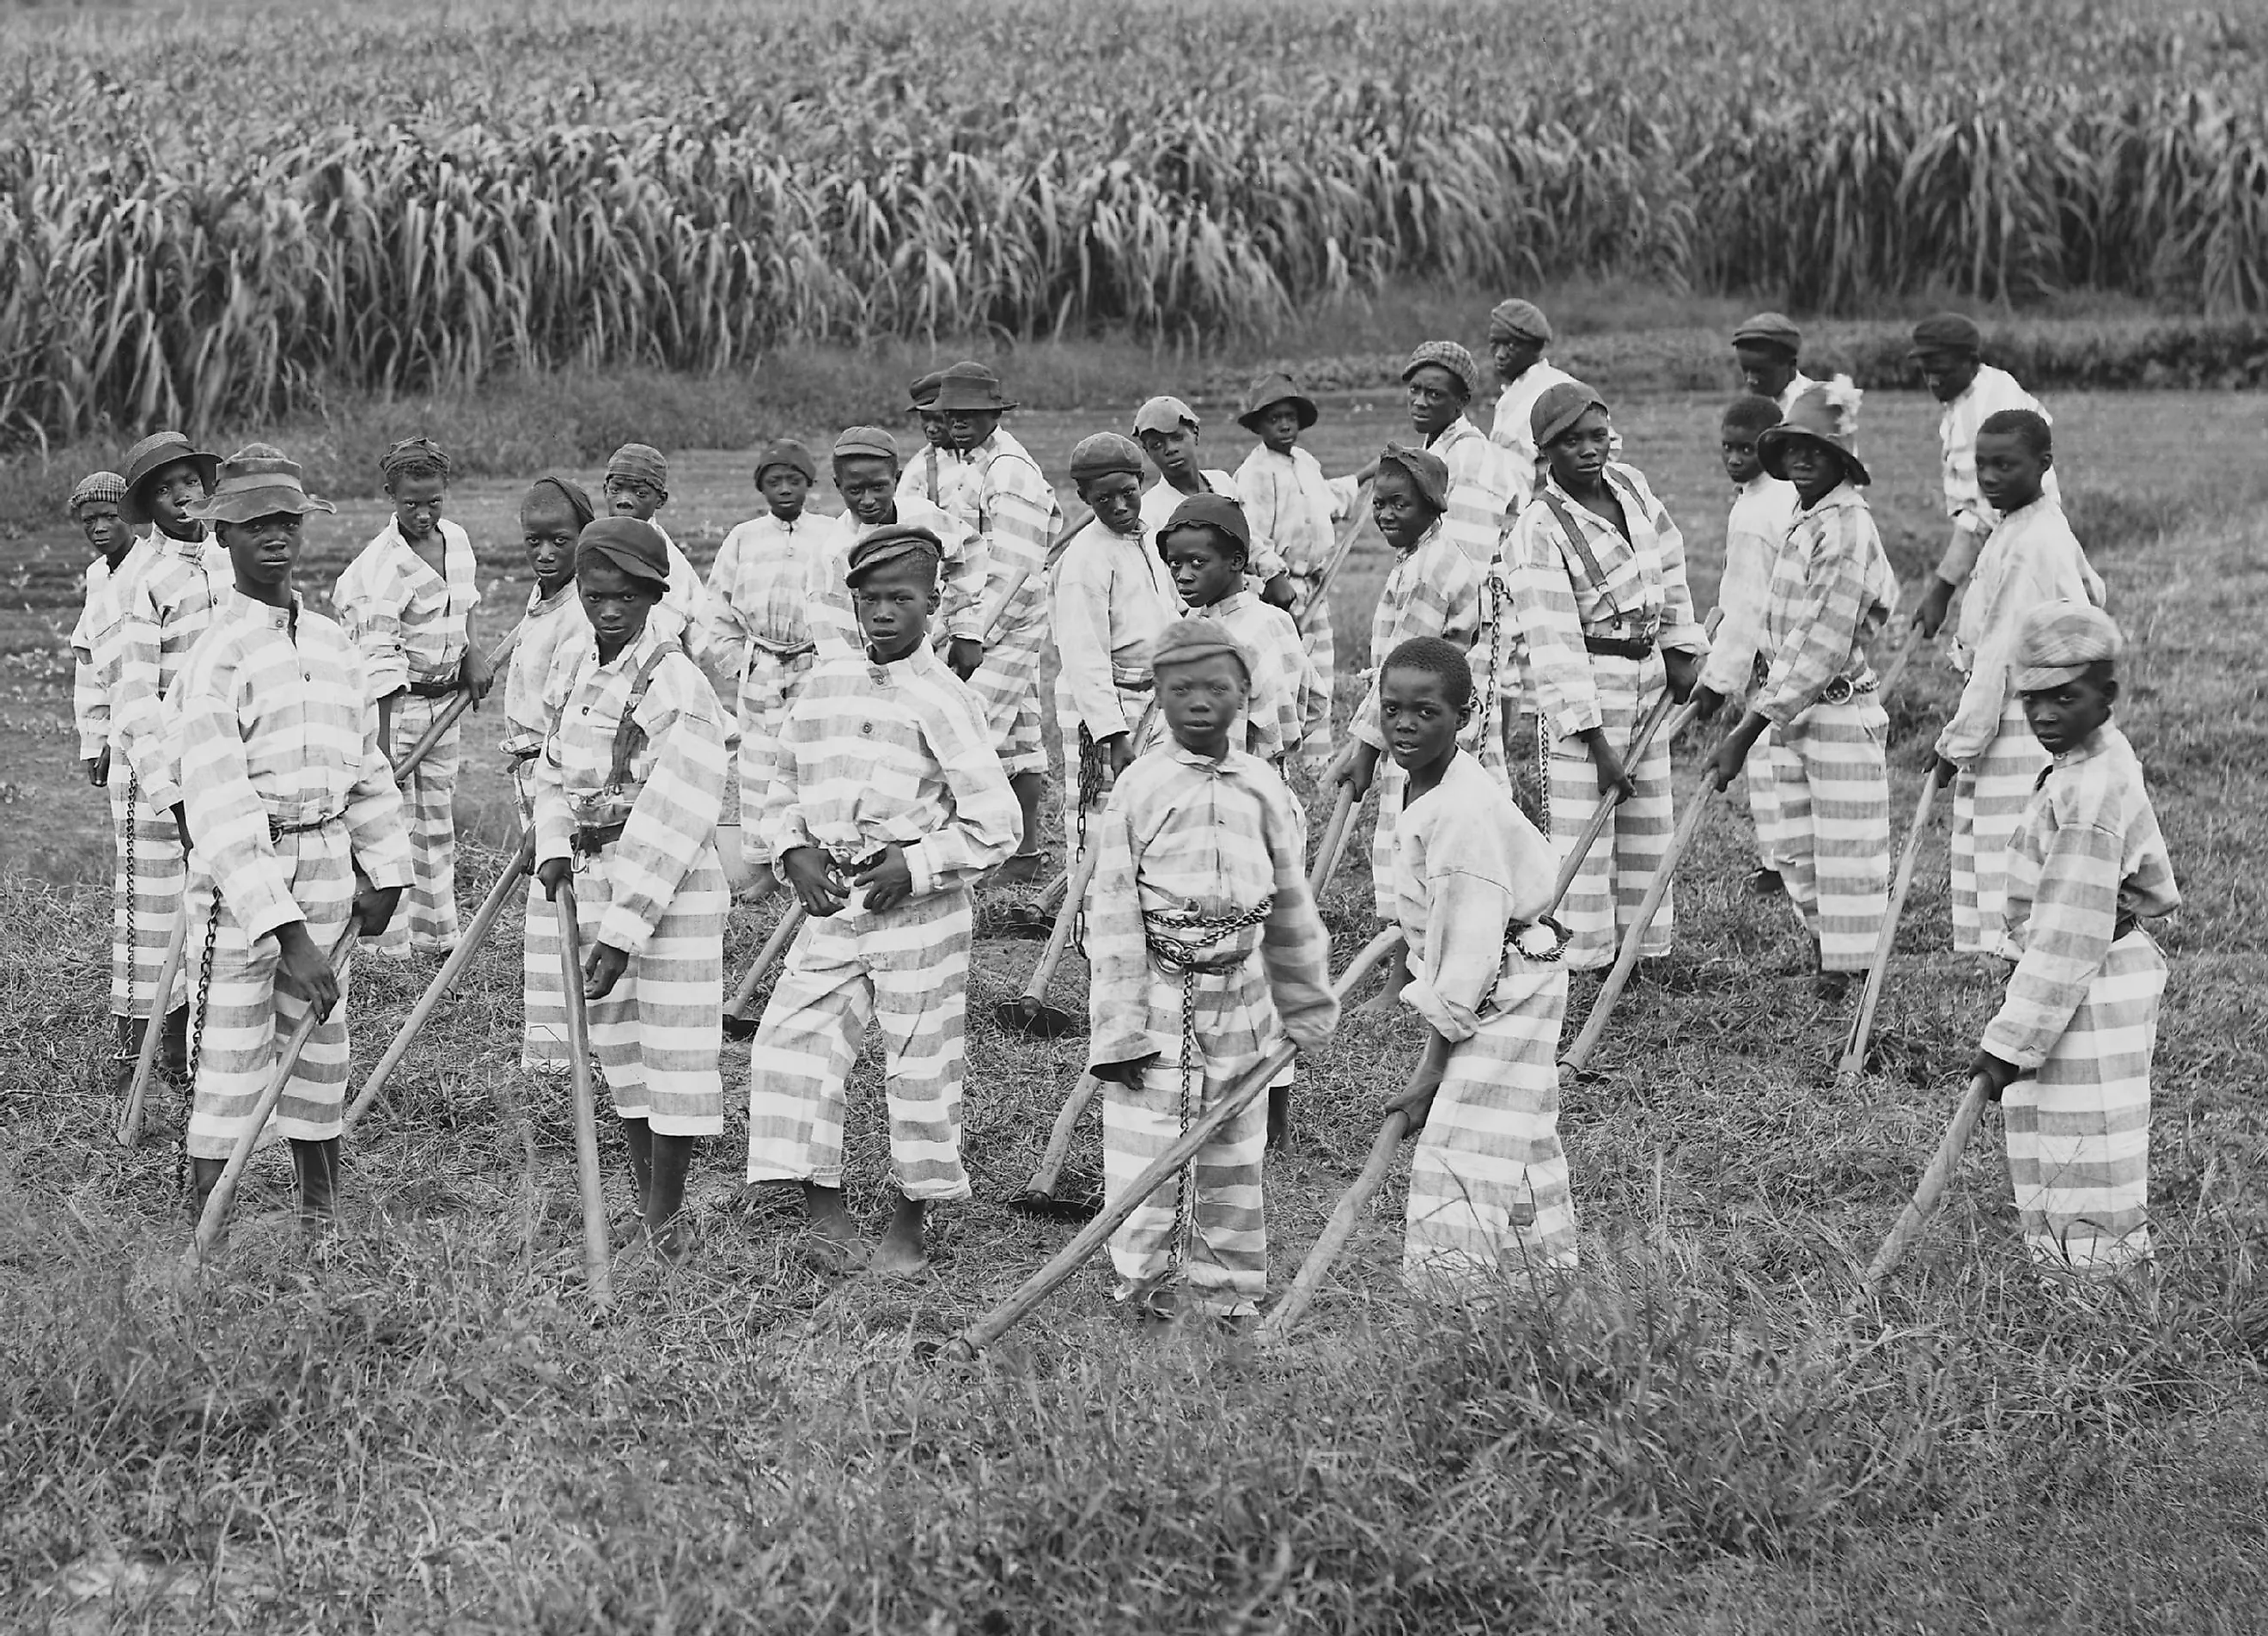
[1205,545]
[299,827]
[408,602]
[1167,430]
[2068,1053]
[1768,348]
[935,475]
[885,802]
[1484,485]
[866,475]
[628,794]
[1201,866]
[1518,333]
[636,485]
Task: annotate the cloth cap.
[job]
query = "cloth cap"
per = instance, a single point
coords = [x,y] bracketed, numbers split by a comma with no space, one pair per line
[2058,640]
[865,443]
[636,548]
[97,488]
[1103,454]
[146,459]
[1165,414]
[1209,510]
[1946,332]
[1266,391]
[1424,467]
[413,451]
[968,386]
[895,543]
[1186,641]
[788,453]
[257,480]
[1770,330]
[1558,406]
[577,498]
[1519,320]
[1449,356]
[640,462]
[923,393]
[1826,412]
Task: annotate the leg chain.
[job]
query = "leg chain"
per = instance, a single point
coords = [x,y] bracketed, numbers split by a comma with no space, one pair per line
[1177,1251]
[198,1039]
[134,822]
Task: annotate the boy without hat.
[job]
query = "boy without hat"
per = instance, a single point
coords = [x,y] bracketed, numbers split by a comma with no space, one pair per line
[628,794]
[636,485]
[867,476]
[1832,588]
[1201,868]
[2068,1052]
[885,802]
[1597,574]
[1768,348]
[1167,430]
[408,602]
[299,827]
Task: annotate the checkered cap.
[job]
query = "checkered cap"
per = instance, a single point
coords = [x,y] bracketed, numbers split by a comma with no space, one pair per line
[2059,640]
[97,488]
[1449,356]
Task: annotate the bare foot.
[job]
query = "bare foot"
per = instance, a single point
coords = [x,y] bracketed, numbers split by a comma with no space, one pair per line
[836,1236]
[1388,999]
[1021,869]
[902,1252]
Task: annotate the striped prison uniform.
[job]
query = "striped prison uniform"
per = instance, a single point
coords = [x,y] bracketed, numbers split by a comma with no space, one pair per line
[934,476]
[95,640]
[412,626]
[1433,590]
[166,607]
[873,757]
[1512,429]
[289,797]
[753,626]
[1580,583]
[1188,841]
[1484,485]
[2029,558]
[1007,503]
[640,744]
[1488,1182]
[2080,1022]
[671,618]
[1764,510]
[1161,499]
[1275,705]
[834,623]
[1288,501]
[1109,596]
[1972,516]
[1832,588]
[552,636]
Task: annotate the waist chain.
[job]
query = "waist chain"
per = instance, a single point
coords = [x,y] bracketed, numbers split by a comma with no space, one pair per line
[277,829]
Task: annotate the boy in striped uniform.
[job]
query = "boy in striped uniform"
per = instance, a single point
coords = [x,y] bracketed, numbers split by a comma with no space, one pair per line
[1987,752]
[299,827]
[165,602]
[636,485]
[1598,579]
[1201,867]
[628,792]
[407,602]
[866,475]
[1518,333]
[885,802]
[1831,590]
[1768,349]
[1433,590]
[2068,1053]
[1488,1182]
[1167,430]
[1485,486]
[1206,545]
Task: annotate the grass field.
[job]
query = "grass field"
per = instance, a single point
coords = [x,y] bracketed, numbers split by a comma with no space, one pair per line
[423,1426]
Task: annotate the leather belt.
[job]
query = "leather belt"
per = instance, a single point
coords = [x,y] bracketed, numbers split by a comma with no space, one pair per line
[1843,690]
[434,687]
[1619,647]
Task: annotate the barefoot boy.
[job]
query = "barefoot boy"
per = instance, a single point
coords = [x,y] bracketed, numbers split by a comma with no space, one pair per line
[299,827]
[1202,866]
[628,792]
[1488,1182]
[885,802]
[2068,1053]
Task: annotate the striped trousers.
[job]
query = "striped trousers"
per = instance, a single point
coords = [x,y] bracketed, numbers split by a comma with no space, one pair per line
[1764,796]
[1831,835]
[246,1019]
[658,1034]
[1210,1221]
[1988,809]
[1007,684]
[1488,1182]
[1603,899]
[767,687]
[426,919]
[2079,1130]
[905,969]
[1323,652]
[1067,723]
[543,1003]
[144,904]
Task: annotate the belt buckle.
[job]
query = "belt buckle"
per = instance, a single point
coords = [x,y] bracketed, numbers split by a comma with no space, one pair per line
[1837,691]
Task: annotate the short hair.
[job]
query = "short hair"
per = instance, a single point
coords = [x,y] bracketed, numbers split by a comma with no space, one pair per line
[1435,658]
[2029,425]
[1751,413]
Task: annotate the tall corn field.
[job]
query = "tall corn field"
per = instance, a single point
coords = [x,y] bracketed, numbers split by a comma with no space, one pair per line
[207,220]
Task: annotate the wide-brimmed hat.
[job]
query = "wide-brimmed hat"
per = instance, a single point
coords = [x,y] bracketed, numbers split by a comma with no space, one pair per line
[1826,412]
[1270,390]
[259,480]
[968,386]
[922,394]
[146,459]
[1776,330]
[1449,356]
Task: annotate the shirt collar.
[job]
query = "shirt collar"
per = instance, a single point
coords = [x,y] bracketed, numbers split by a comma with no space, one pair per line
[1842,497]
[1189,758]
[539,603]
[252,611]
[634,651]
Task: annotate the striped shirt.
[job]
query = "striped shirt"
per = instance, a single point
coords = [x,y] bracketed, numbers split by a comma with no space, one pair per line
[1433,590]
[1957,424]
[875,755]
[2089,852]
[168,605]
[276,724]
[672,791]
[1762,512]
[673,616]
[410,623]
[96,638]
[935,477]
[1005,501]
[1513,429]
[1290,504]
[1110,597]
[758,597]
[834,623]
[1271,724]
[1183,833]
[1596,582]
[1160,500]
[1831,589]
[551,636]
[2032,558]
[1485,488]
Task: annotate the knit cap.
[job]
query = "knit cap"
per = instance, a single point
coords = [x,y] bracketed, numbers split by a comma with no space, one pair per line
[97,488]
[2058,641]
[788,453]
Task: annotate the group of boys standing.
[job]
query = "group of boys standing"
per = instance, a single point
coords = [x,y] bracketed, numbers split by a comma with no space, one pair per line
[882,669]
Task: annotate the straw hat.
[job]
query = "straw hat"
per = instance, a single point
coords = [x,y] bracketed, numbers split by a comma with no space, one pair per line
[146,459]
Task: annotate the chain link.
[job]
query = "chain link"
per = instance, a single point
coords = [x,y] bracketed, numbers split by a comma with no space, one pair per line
[196,1043]
[131,932]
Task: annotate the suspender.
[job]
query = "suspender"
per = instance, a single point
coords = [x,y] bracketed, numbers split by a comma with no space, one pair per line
[1574,537]
[629,738]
